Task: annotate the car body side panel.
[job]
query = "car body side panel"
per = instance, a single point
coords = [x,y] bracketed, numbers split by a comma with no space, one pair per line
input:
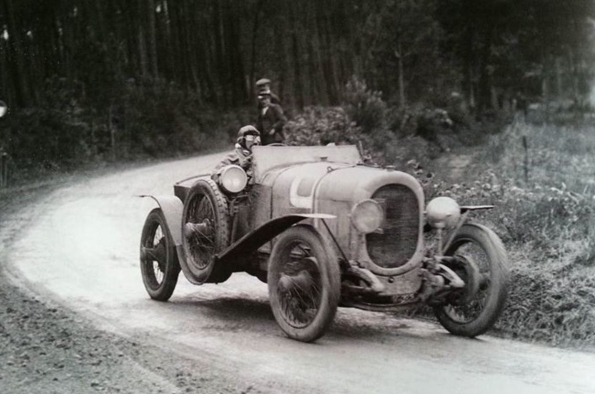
[295,189]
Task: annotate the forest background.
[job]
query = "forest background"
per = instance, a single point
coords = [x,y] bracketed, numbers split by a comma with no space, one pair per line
[503,85]
[152,78]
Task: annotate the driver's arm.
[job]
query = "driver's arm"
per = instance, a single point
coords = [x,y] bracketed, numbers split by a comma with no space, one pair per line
[231,158]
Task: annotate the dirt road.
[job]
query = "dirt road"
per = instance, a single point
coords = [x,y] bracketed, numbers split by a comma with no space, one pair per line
[81,251]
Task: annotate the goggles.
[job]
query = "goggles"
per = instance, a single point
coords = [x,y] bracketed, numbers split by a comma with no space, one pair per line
[252,138]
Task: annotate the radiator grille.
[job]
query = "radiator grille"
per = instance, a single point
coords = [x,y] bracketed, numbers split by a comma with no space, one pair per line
[398,241]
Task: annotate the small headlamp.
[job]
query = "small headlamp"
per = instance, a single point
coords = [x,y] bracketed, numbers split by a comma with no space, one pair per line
[443,212]
[233,179]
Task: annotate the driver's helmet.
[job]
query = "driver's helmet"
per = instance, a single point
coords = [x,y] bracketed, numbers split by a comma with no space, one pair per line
[248,136]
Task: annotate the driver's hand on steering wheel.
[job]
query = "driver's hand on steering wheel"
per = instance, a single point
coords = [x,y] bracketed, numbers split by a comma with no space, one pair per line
[272,132]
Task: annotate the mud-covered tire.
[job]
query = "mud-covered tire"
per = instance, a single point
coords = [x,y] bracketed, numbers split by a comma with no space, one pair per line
[205,231]
[158,259]
[303,279]
[491,297]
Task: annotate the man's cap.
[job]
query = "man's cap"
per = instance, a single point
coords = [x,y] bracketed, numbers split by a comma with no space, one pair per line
[263,82]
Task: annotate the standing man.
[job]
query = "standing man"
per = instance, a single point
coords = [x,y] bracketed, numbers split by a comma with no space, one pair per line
[270,120]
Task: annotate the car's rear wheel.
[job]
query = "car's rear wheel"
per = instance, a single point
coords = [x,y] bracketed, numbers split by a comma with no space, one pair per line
[304,283]
[483,265]
[205,229]
[158,260]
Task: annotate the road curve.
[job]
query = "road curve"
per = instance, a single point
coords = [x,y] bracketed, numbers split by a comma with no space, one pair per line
[82,251]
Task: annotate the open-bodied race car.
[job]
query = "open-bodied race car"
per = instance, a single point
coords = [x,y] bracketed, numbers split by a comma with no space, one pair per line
[324,230]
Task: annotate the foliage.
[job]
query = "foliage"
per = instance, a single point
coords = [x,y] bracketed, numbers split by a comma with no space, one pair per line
[150,119]
[547,224]
[409,50]
[365,107]
[321,126]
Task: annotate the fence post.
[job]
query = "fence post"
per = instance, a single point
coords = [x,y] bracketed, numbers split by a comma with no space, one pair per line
[526,161]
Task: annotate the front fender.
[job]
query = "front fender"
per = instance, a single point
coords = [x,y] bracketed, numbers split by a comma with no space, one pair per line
[255,239]
[173,210]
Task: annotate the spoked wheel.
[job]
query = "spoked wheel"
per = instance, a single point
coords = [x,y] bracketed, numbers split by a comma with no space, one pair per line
[304,283]
[482,263]
[205,229]
[158,260]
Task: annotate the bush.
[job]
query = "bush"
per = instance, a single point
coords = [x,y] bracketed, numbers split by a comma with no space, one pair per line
[363,106]
[321,126]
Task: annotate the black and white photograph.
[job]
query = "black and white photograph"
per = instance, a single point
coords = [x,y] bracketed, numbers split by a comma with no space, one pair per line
[297,196]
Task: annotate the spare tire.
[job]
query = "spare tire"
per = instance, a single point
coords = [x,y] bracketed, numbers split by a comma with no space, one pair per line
[205,232]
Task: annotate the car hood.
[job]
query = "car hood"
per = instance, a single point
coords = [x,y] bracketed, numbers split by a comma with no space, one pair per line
[310,187]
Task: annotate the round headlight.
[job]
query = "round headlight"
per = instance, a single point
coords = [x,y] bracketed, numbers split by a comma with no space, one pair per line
[367,216]
[443,212]
[233,179]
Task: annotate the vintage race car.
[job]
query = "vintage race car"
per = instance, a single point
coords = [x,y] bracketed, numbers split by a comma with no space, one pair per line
[325,230]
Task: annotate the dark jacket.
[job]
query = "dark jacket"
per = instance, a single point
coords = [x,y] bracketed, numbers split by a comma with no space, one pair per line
[273,119]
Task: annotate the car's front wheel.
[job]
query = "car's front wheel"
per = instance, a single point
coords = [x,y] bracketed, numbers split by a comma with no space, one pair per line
[205,229]
[304,283]
[158,260]
[482,264]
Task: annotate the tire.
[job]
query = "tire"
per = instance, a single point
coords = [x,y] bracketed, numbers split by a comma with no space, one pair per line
[205,231]
[304,283]
[484,261]
[158,259]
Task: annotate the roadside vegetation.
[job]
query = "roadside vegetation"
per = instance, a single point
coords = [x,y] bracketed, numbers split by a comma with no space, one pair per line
[541,177]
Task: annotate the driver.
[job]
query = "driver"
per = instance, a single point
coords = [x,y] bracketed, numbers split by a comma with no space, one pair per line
[248,136]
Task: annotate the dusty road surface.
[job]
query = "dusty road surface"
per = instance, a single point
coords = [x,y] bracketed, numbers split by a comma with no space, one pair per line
[80,251]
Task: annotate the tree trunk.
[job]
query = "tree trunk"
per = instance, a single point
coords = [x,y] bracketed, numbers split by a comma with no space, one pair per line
[15,45]
[297,66]
[559,89]
[220,64]
[253,49]
[485,88]
[142,53]
[152,38]
[399,54]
